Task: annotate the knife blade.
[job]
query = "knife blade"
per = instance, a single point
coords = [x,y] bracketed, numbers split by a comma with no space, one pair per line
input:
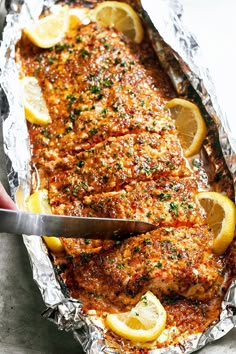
[18,222]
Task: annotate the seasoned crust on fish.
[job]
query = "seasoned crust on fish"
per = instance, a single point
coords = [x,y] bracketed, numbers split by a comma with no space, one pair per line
[96,85]
[168,201]
[165,261]
[112,164]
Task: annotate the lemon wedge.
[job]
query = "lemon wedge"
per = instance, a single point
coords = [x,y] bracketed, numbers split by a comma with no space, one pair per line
[38,203]
[189,123]
[35,107]
[78,16]
[144,323]
[75,18]
[49,30]
[121,16]
[221,217]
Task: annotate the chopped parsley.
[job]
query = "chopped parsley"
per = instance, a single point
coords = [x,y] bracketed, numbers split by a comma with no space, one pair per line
[46,133]
[107,83]
[121,266]
[117,61]
[77,111]
[170,165]
[60,47]
[173,208]
[39,58]
[78,39]
[107,46]
[147,241]
[81,163]
[196,163]
[94,89]
[142,103]
[144,300]
[68,129]
[84,53]
[71,98]
[164,196]
[158,265]
[105,179]
[99,97]
[93,131]
[51,60]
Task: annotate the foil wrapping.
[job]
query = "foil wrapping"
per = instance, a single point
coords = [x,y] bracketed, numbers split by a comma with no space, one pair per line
[180,56]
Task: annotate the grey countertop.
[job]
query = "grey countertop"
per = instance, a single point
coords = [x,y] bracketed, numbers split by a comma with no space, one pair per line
[22,329]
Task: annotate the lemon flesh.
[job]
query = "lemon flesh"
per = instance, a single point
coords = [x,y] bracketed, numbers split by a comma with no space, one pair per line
[49,30]
[144,323]
[78,16]
[35,107]
[189,123]
[221,217]
[121,16]
[38,203]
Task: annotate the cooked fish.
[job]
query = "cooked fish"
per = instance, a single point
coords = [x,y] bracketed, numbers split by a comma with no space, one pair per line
[170,201]
[96,85]
[116,162]
[112,150]
[167,260]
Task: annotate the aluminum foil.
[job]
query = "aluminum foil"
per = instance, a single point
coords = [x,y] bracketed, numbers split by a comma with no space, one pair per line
[179,54]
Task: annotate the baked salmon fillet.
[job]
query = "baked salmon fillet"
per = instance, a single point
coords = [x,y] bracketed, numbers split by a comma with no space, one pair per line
[112,150]
[97,85]
[170,201]
[165,261]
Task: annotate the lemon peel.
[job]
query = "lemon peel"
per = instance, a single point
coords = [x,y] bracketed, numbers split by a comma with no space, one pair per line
[38,203]
[35,107]
[221,217]
[189,123]
[145,322]
[49,30]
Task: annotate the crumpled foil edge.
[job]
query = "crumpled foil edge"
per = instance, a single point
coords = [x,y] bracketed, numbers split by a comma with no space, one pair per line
[64,311]
[184,46]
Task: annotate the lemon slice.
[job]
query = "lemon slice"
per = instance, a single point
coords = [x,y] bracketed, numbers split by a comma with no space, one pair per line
[121,16]
[221,217]
[78,16]
[75,18]
[38,203]
[49,30]
[189,123]
[144,323]
[35,107]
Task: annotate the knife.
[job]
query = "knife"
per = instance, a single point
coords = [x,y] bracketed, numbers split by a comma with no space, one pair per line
[18,222]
